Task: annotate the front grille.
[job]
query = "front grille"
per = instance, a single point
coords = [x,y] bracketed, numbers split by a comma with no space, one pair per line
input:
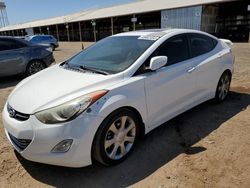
[17,115]
[20,143]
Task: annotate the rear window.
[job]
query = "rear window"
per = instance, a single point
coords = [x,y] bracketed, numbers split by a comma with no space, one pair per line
[201,44]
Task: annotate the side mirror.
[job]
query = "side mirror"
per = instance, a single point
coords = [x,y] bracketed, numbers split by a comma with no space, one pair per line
[158,62]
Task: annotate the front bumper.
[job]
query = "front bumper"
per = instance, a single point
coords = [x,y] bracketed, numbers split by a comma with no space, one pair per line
[43,138]
[49,59]
[56,45]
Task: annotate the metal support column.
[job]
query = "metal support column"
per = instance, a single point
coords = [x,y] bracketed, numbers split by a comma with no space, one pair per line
[134,22]
[80,31]
[57,33]
[112,26]
[94,33]
[93,22]
[73,33]
[67,27]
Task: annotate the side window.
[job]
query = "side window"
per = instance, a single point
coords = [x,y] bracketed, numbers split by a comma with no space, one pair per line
[35,39]
[8,44]
[201,44]
[4,45]
[19,44]
[176,49]
[45,38]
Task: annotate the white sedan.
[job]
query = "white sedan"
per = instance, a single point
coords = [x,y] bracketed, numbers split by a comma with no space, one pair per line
[95,105]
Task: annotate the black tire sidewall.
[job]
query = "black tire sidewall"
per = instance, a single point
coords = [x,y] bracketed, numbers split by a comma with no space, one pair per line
[99,150]
[30,63]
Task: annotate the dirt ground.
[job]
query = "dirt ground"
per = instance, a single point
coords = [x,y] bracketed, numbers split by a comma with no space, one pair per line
[208,146]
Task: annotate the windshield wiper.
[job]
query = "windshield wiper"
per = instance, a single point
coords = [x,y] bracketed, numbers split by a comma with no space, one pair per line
[94,70]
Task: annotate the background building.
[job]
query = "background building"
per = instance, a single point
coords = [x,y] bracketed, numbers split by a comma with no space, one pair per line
[223,18]
[3,15]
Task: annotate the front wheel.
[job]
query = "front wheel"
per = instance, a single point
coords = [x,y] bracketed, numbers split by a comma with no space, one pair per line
[116,137]
[223,87]
[34,67]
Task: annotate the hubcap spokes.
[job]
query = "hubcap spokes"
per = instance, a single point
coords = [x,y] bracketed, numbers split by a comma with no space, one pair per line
[120,137]
[224,87]
[35,67]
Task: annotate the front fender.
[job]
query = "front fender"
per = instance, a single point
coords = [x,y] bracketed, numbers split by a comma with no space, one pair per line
[127,94]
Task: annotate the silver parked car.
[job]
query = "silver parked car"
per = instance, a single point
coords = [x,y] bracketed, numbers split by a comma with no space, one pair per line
[18,56]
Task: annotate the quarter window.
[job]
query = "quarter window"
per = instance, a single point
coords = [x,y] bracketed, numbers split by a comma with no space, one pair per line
[201,44]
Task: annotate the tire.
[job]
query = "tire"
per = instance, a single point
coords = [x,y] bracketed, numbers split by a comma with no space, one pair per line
[34,67]
[223,87]
[113,143]
[53,47]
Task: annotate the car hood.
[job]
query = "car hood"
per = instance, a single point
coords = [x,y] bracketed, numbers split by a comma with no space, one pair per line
[55,86]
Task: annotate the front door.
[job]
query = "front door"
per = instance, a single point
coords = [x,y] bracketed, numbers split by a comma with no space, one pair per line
[171,89]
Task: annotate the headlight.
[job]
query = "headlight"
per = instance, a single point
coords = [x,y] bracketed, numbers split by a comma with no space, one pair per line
[49,49]
[69,110]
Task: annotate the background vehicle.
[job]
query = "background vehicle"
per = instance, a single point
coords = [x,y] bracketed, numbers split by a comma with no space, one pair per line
[18,56]
[44,39]
[101,100]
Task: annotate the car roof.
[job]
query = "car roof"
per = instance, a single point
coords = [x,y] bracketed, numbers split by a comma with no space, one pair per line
[12,38]
[159,32]
[7,37]
[40,36]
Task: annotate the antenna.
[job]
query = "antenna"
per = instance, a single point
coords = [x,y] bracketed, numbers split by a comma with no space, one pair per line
[3,15]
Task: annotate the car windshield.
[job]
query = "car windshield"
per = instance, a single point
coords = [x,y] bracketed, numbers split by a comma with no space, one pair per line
[111,55]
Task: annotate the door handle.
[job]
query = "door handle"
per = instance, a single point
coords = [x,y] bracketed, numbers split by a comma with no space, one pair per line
[191,69]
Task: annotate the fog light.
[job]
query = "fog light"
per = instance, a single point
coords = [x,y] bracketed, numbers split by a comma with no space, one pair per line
[63,146]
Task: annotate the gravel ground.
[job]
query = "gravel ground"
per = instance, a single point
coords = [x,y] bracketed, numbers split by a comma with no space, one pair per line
[208,146]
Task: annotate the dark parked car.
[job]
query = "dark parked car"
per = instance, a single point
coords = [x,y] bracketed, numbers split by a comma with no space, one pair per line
[44,40]
[18,56]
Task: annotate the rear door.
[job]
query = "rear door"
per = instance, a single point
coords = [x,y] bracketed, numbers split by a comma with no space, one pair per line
[207,59]
[12,57]
[171,89]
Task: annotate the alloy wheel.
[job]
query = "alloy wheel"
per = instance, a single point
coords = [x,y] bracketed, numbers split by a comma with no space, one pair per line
[223,87]
[35,67]
[120,137]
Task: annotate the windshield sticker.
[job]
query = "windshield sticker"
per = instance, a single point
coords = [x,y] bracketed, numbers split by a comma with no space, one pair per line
[152,36]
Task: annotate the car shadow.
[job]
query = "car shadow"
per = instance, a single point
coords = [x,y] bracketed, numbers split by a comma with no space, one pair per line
[10,81]
[160,146]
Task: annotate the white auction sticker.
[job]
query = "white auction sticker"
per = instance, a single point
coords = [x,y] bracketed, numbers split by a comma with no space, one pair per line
[153,36]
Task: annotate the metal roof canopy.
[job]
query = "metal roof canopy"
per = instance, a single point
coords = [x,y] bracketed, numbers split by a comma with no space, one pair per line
[114,11]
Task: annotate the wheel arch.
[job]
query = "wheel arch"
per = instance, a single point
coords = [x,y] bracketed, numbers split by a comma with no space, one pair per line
[130,108]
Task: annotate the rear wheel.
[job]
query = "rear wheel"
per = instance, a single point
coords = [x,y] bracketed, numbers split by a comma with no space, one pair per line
[116,137]
[223,87]
[34,67]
